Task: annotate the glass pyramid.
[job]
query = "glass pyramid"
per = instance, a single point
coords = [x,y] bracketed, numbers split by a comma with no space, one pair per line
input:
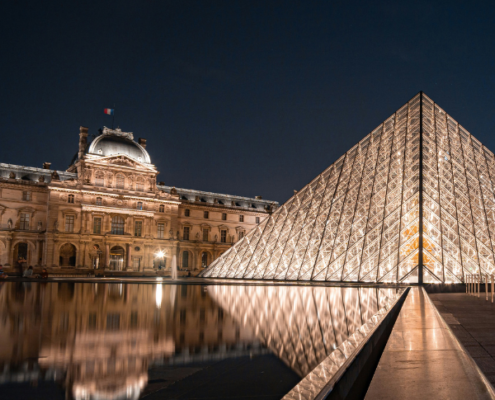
[411,202]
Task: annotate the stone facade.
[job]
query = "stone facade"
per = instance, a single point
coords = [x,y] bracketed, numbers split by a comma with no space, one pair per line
[107,212]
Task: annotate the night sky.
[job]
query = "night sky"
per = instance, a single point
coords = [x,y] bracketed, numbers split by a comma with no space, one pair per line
[239,97]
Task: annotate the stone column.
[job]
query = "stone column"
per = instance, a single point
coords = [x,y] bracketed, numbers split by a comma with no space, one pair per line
[129,249]
[8,258]
[107,256]
[83,262]
[37,253]
[83,222]
[56,253]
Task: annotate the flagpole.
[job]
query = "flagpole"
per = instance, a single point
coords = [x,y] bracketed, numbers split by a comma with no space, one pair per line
[113,115]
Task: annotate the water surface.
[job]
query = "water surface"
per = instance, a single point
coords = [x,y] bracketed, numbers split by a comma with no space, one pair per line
[130,341]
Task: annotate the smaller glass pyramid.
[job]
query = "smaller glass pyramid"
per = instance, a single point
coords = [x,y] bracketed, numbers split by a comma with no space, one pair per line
[411,202]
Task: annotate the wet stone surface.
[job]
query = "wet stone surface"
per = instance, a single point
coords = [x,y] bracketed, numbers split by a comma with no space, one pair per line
[472,320]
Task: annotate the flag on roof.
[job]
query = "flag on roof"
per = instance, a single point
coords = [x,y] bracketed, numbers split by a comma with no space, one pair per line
[108,111]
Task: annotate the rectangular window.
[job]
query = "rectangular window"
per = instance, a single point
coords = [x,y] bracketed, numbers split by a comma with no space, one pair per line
[205,235]
[206,214]
[92,321]
[138,228]
[241,218]
[136,263]
[113,321]
[70,199]
[69,223]
[257,220]
[26,196]
[24,225]
[139,205]
[182,317]
[241,235]
[223,236]
[186,233]
[187,212]
[98,201]
[100,179]
[97,225]
[224,217]
[161,231]
[134,319]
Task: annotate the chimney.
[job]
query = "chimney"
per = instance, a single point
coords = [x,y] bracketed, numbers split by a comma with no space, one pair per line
[83,141]
[142,142]
[47,165]
[258,197]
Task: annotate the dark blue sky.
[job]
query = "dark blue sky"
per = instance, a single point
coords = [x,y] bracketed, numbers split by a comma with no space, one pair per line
[239,97]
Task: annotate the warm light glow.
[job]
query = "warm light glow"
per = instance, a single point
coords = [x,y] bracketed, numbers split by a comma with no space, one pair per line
[160,254]
[158,296]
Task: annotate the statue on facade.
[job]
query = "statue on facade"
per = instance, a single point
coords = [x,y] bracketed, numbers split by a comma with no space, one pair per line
[40,225]
[197,236]
[9,223]
[55,224]
[216,238]
[41,179]
[12,175]
[171,233]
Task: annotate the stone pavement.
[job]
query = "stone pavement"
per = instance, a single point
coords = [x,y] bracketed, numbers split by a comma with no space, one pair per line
[472,320]
[423,359]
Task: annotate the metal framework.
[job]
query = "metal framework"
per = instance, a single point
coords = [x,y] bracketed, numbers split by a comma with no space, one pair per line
[411,202]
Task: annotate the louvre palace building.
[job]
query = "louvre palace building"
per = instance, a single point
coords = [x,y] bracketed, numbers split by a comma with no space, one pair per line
[108,212]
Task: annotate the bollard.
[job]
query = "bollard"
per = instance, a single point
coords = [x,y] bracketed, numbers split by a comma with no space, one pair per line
[468,280]
[479,285]
[486,287]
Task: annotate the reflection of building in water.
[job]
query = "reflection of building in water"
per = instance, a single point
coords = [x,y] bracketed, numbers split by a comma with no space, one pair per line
[301,325]
[102,338]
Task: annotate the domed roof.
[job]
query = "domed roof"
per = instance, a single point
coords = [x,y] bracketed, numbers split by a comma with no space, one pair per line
[113,142]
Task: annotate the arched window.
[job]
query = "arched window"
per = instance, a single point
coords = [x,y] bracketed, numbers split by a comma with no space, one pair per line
[99,179]
[99,202]
[204,259]
[140,184]
[162,208]
[120,181]
[185,260]
[117,225]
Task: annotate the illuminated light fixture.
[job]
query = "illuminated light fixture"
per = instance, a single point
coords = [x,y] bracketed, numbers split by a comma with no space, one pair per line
[411,221]
[160,254]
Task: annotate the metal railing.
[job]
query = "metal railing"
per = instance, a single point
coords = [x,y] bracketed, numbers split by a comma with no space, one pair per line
[474,282]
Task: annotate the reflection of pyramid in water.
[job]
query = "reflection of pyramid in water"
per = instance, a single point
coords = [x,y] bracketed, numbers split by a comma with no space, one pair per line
[301,325]
[412,201]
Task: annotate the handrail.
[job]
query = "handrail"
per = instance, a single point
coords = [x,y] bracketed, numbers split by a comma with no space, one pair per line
[474,281]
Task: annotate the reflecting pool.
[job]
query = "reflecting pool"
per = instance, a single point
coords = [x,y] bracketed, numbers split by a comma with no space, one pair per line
[128,341]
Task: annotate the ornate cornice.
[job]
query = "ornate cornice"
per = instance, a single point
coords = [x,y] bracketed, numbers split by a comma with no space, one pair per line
[116,195]
[117,132]
[112,210]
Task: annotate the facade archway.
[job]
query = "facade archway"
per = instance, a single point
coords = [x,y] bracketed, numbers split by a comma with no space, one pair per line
[205,259]
[67,257]
[21,253]
[186,261]
[117,257]
[159,259]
